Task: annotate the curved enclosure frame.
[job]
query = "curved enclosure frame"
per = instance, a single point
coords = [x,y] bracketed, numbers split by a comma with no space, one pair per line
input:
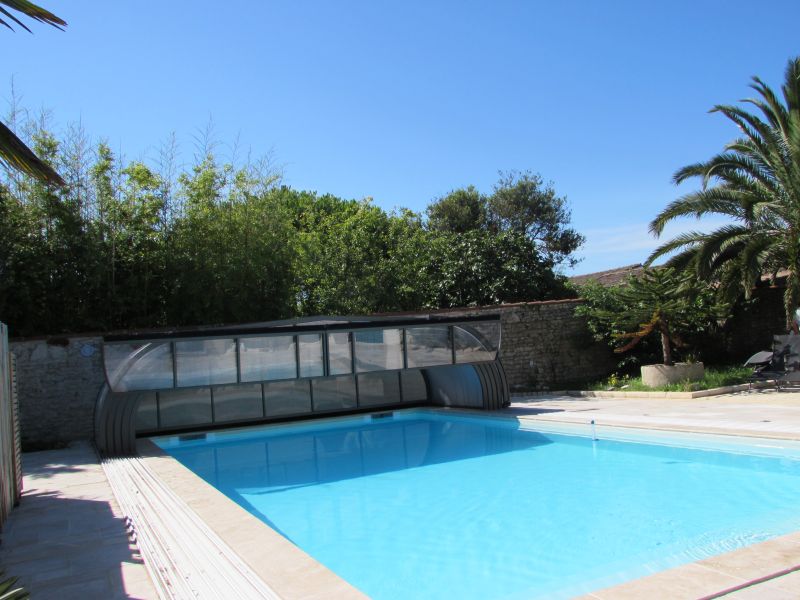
[222,377]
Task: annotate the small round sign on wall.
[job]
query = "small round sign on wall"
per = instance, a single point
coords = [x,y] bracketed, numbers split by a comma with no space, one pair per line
[88,350]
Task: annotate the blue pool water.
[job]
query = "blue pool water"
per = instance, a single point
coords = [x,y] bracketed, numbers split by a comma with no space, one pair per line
[429,506]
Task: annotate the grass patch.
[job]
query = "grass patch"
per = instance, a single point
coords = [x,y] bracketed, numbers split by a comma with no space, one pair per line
[714,378]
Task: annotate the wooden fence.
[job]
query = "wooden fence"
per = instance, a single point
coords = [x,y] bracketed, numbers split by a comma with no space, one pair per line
[10,466]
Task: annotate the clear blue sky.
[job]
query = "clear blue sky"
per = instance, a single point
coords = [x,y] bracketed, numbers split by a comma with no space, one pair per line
[404,101]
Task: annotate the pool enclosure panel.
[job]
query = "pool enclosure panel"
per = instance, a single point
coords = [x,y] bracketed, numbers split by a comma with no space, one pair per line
[222,377]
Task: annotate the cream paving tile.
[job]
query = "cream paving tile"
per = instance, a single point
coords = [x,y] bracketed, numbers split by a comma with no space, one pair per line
[758,560]
[67,539]
[764,591]
[688,582]
[789,583]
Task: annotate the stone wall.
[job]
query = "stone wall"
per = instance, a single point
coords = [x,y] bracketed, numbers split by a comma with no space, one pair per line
[753,325]
[544,347]
[57,383]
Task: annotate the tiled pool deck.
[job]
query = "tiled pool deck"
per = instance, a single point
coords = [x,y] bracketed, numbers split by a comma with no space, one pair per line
[67,539]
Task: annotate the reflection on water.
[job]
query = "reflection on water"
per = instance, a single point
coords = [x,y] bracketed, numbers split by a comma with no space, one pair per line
[280,461]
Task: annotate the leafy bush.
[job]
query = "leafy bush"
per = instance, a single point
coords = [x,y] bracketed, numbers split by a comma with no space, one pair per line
[714,378]
[660,305]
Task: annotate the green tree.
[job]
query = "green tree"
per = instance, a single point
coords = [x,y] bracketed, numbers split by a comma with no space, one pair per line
[524,203]
[355,258]
[459,211]
[754,182]
[231,253]
[480,268]
[14,154]
[661,303]
[520,203]
[62,241]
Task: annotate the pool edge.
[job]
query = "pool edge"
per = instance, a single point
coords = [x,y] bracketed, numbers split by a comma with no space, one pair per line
[280,564]
[298,575]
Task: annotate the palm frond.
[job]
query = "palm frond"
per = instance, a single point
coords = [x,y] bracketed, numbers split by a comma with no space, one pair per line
[754,259]
[717,200]
[29,9]
[771,107]
[714,245]
[14,154]
[686,244]
[682,261]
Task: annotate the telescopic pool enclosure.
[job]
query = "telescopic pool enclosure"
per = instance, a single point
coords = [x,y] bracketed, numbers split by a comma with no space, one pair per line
[184,381]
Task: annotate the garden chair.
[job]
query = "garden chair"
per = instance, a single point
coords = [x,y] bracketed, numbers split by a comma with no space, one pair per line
[782,365]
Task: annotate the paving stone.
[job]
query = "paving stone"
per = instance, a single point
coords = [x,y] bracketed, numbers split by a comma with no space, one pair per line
[67,538]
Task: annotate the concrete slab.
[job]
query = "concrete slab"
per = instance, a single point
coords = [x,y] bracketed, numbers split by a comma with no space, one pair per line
[760,413]
[67,539]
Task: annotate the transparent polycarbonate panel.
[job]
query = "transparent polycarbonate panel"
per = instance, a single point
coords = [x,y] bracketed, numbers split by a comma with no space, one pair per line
[181,408]
[428,346]
[310,355]
[268,357]
[205,362]
[476,342]
[287,398]
[138,365]
[340,357]
[375,389]
[147,412]
[413,385]
[334,393]
[378,349]
[237,402]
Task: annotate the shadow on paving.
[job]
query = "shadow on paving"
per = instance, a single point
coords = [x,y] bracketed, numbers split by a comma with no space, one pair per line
[521,411]
[65,539]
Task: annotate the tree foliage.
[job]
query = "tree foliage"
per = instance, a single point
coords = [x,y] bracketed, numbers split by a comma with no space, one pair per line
[755,184]
[520,203]
[126,244]
[460,211]
[663,304]
[483,268]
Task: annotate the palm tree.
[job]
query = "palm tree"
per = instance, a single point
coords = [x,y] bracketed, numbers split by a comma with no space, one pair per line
[14,154]
[755,182]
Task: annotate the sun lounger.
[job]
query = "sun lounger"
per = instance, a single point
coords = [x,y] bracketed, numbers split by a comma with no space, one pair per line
[782,365]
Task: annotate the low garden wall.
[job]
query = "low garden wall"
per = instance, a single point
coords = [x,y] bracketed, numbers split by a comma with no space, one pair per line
[544,346]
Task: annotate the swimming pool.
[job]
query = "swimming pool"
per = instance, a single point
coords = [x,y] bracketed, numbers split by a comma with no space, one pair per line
[422,504]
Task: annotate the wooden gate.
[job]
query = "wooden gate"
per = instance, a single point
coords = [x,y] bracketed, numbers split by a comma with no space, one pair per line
[10,467]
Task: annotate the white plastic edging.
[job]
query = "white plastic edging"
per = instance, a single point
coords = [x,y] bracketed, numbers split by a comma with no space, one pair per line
[185,558]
